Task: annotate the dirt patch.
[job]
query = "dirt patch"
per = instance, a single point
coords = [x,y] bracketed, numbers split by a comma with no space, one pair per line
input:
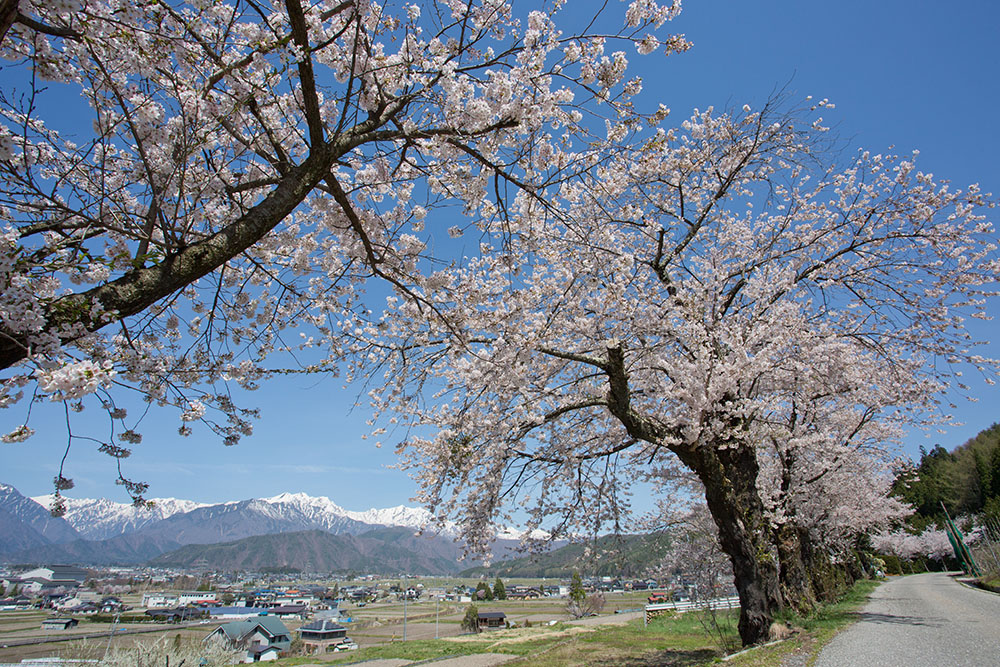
[501,637]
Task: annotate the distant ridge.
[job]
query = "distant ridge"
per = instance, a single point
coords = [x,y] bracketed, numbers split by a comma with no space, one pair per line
[610,555]
[381,551]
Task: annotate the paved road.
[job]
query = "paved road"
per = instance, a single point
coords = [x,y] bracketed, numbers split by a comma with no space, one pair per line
[924,620]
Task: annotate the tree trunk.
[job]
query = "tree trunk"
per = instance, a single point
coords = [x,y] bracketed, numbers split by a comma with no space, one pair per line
[8,14]
[796,586]
[729,474]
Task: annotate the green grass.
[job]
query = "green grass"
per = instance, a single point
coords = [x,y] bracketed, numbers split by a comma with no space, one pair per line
[680,639]
[818,628]
[836,615]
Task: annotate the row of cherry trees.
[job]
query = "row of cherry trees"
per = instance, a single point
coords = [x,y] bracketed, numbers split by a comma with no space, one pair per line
[724,294]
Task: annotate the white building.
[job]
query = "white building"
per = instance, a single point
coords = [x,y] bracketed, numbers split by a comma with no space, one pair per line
[159,600]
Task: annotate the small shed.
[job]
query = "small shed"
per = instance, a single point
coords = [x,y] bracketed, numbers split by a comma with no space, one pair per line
[492,619]
[57,623]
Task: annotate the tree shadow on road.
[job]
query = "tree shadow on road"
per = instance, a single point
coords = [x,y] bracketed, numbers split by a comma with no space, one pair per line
[898,619]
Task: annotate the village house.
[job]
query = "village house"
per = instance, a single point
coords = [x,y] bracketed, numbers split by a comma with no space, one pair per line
[236,613]
[20,602]
[490,620]
[197,597]
[263,638]
[523,593]
[294,611]
[175,614]
[322,636]
[159,600]
[295,598]
[68,602]
[112,605]
[84,609]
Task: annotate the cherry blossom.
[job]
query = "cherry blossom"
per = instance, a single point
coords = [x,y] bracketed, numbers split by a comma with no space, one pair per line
[184,183]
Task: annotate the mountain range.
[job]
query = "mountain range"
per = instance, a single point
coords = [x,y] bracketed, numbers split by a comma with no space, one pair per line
[103,532]
[379,551]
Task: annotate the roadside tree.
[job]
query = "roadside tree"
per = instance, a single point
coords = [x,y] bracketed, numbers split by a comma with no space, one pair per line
[826,481]
[670,303]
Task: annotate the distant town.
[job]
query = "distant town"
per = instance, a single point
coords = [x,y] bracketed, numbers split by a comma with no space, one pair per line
[57,611]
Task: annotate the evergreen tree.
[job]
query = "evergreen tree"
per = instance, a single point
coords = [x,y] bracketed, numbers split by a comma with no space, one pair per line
[499,591]
[982,476]
[576,592]
[993,490]
[483,591]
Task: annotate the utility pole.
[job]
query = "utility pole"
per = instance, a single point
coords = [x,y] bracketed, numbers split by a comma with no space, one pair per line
[437,615]
[405,596]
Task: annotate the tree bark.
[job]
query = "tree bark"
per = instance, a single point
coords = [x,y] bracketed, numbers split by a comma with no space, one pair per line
[729,474]
[796,587]
[727,467]
[8,14]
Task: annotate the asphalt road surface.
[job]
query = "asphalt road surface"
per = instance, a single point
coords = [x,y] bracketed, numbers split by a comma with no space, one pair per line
[924,620]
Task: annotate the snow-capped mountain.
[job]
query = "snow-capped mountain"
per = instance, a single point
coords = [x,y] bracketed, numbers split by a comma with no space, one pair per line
[24,524]
[313,506]
[108,531]
[101,519]
[401,515]
[190,521]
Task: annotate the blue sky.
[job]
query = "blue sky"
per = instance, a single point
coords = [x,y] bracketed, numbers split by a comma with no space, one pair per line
[913,75]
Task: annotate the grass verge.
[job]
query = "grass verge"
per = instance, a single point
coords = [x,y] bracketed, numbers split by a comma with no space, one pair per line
[818,628]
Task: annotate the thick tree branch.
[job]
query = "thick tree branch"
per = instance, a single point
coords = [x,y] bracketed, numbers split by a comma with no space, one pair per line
[140,288]
[310,99]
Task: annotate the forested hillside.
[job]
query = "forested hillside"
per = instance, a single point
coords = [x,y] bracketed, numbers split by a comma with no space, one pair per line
[966,480]
[611,555]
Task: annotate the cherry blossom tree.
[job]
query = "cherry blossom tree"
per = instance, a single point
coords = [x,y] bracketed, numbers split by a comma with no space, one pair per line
[670,303]
[184,183]
[827,477]
[932,543]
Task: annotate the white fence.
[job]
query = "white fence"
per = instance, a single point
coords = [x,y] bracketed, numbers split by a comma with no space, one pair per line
[653,610]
